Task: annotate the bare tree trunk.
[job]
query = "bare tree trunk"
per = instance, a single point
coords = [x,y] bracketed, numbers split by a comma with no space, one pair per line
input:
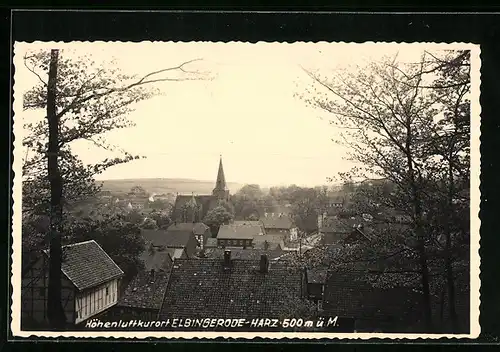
[448,254]
[417,207]
[55,312]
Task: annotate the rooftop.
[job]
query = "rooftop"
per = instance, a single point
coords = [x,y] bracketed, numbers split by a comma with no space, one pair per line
[248,254]
[239,232]
[206,287]
[346,295]
[156,259]
[87,265]
[198,228]
[167,238]
[277,222]
[146,291]
[271,241]
[317,275]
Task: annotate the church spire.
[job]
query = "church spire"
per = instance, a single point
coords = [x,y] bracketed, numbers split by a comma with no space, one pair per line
[220,189]
[220,184]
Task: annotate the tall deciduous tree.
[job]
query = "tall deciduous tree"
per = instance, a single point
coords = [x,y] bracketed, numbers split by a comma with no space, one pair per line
[397,119]
[82,101]
[217,217]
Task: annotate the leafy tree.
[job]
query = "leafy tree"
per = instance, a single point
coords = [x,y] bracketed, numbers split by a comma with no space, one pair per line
[251,191]
[158,204]
[247,200]
[216,217]
[394,117]
[305,206]
[138,191]
[83,101]
[149,224]
[134,217]
[121,240]
[162,219]
[228,206]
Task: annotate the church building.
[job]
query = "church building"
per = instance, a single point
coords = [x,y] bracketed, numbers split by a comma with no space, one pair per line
[193,208]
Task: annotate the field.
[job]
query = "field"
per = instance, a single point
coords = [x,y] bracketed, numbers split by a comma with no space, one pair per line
[165,185]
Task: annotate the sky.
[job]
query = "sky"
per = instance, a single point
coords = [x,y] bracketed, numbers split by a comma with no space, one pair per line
[248,112]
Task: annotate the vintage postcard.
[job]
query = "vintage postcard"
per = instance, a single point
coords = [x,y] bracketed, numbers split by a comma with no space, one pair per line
[274,190]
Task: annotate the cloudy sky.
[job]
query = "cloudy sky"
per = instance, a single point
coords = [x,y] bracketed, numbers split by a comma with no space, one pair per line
[248,113]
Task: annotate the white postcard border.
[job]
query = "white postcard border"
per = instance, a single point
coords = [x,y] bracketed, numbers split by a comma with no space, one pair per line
[474,212]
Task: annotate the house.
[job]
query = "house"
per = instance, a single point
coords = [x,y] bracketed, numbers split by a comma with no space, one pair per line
[143,296]
[90,281]
[238,235]
[316,280]
[194,208]
[179,243]
[200,230]
[275,210]
[273,242]
[337,202]
[251,254]
[374,309]
[280,224]
[231,288]
[249,223]
[336,229]
[211,243]
[155,258]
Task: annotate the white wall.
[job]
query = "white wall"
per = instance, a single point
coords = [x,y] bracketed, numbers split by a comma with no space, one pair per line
[93,301]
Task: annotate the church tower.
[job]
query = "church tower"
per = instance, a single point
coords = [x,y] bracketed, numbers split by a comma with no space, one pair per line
[220,191]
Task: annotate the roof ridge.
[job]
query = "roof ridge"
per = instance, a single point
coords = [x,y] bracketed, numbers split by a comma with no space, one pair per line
[79,243]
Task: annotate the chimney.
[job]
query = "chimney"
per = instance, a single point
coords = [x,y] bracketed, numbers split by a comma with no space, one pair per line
[264,264]
[227,258]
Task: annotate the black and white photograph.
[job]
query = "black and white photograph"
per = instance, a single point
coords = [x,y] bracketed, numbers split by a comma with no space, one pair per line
[276,190]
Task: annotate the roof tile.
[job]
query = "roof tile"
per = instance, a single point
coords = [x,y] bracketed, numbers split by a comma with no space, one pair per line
[204,287]
[87,265]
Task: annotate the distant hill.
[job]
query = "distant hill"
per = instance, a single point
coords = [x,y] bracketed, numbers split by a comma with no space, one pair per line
[165,185]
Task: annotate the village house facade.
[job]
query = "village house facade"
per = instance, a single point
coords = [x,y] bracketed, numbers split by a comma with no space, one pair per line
[280,225]
[241,236]
[90,283]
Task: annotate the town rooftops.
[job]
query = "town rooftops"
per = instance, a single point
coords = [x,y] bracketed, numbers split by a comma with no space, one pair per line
[277,222]
[317,275]
[155,259]
[198,228]
[246,232]
[247,222]
[269,241]
[146,290]
[87,265]
[246,254]
[170,239]
[230,288]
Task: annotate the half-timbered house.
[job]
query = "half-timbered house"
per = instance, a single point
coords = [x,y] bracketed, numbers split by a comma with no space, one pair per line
[90,281]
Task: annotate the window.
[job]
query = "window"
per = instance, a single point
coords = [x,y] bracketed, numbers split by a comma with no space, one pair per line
[107,291]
